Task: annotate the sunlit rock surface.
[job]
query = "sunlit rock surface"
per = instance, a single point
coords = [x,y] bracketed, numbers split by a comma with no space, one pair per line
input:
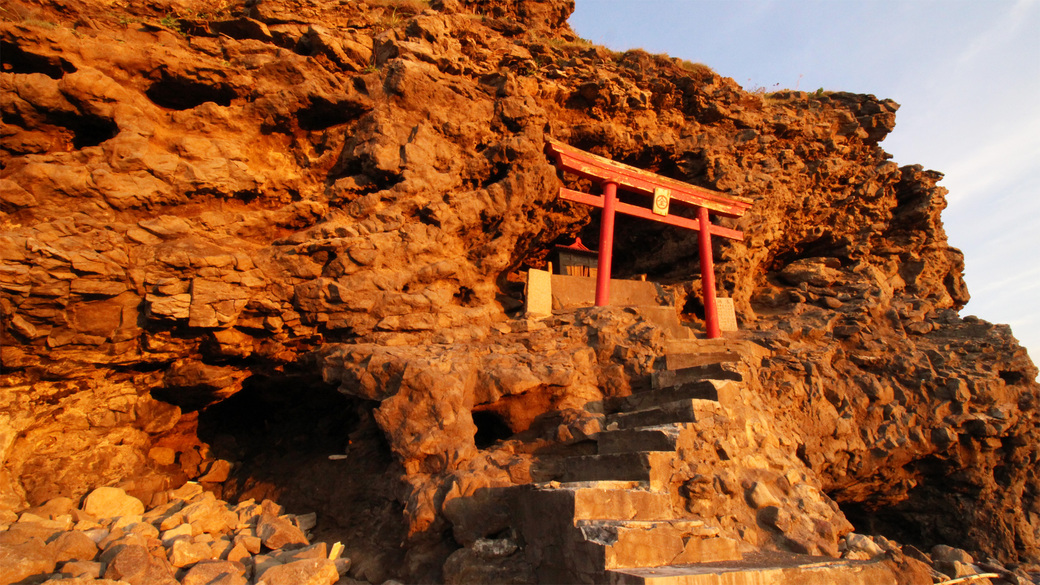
[237,240]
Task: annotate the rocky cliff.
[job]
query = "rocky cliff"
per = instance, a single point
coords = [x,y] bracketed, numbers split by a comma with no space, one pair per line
[239,239]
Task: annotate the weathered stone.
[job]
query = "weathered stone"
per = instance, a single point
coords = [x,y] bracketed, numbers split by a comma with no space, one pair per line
[70,546]
[170,307]
[864,544]
[83,569]
[127,522]
[238,553]
[24,531]
[305,572]
[156,416]
[54,507]
[279,532]
[135,565]
[220,548]
[166,226]
[956,569]
[184,552]
[942,552]
[23,560]
[215,573]
[217,472]
[181,531]
[314,551]
[760,496]
[83,286]
[813,271]
[109,502]
[115,542]
[162,455]
[209,515]
[251,543]
[187,491]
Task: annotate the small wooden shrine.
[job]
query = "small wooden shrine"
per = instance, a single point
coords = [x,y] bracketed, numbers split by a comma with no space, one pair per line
[575,260]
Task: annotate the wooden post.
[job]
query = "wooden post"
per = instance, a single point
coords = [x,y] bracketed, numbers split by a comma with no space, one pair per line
[606,244]
[711,311]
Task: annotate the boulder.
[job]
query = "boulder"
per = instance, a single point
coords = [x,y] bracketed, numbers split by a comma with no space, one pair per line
[278,532]
[304,572]
[215,572]
[135,565]
[24,560]
[109,502]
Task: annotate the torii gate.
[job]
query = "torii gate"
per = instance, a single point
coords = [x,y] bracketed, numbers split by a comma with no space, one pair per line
[611,175]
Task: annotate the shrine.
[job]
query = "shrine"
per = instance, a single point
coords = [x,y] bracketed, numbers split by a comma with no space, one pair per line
[612,175]
[576,259]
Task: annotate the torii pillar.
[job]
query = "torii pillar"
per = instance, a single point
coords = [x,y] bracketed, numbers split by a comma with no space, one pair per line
[610,175]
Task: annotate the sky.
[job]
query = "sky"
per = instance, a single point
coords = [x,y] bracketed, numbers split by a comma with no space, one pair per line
[965,72]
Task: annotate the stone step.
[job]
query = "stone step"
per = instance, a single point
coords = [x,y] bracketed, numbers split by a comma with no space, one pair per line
[653,467]
[657,543]
[604,501]
[665,318]
[715,371]
[761,569]
[657,438]
[689,410]
[718,390]
[678,361]
[735,347]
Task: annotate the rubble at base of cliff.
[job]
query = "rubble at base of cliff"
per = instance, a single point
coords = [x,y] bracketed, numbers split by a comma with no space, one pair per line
[192,539]
[196,539]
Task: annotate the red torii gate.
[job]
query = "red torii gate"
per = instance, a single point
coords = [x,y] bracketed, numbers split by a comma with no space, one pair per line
[611,175]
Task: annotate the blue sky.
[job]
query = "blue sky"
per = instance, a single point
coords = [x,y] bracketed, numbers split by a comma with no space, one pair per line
[966,73]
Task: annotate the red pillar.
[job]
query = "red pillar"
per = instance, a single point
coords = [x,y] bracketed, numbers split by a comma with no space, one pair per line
[711,311]
[606,245]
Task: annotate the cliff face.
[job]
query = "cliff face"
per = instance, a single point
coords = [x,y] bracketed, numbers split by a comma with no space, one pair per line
[214,218]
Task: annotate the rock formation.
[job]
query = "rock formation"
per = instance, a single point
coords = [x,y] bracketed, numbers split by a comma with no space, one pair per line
[240,239]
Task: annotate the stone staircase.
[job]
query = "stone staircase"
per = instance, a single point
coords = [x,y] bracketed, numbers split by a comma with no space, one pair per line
[610,516]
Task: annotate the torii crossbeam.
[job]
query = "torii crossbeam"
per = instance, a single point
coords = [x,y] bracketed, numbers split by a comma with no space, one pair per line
[610,175]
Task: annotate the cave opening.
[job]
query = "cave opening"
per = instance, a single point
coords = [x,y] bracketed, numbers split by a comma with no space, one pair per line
[935,511]
[887,522]
[278,415]
[321,114]
[87,129]
[491,428]
[300,442]
[16,60]
[185,94]
[694,306]
[1011,377]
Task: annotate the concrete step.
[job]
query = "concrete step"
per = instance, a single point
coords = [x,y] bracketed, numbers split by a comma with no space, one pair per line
[690,410]
[653,467]
[657,438]
[657,543]
[761,569]
[715,371]
[718,390]
[605,501]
